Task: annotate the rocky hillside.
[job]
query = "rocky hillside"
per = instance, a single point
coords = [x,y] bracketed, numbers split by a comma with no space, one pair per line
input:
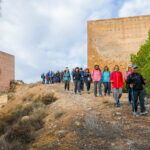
[42,117]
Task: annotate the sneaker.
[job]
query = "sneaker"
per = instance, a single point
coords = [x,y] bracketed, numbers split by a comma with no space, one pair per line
[134,113]
[144,113]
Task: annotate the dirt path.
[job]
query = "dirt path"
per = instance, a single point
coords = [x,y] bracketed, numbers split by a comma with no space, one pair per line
[83,122]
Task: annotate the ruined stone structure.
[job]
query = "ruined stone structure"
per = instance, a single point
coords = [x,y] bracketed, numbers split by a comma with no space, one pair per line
[7,71]
[112,41]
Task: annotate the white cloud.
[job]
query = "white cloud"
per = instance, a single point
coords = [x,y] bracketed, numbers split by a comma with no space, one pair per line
[47,34]
[134,8]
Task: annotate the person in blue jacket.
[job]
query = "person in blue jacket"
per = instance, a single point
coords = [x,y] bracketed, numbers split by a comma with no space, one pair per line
[67,78]
[82,73]
[106,81]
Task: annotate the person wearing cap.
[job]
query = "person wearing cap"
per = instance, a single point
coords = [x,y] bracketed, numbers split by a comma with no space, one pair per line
[88,80]
[96,77]
[76,79]
[127,73]
[136,83]
[116,80]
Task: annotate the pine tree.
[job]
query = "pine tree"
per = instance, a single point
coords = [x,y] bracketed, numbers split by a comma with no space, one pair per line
[142,59]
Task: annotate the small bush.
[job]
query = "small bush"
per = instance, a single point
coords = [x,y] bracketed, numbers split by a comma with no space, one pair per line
[28,98]
[21,132]
[12,146]
[58,115]
[48,99]
[11,96]
[36,120]
[7,120]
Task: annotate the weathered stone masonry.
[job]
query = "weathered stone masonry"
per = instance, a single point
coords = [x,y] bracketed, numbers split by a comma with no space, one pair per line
[112,41]
[7,71]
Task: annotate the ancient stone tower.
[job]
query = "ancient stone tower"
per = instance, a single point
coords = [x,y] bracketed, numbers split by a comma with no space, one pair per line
[7,71]
[112,41]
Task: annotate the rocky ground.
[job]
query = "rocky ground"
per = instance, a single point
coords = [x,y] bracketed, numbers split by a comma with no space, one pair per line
[83,122]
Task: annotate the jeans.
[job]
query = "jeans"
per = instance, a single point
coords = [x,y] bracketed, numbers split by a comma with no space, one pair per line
[43,81]
[107,87]
[117,95]
[67,85]
[138,94]
[77,86]
[88,85]
[97,84]
[82,85]
[47,81]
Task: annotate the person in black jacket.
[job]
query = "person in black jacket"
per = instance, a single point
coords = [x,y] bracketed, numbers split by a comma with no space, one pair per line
[136,82]
[88,80]
[76,79]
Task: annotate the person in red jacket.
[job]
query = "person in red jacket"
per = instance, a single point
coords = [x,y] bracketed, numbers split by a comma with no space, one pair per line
[116,79]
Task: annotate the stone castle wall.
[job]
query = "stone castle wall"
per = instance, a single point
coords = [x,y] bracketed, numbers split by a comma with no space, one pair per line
[7,71]
[112,41]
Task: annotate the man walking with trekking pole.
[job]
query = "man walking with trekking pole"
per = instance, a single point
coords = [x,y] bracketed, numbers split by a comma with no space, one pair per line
[136,82]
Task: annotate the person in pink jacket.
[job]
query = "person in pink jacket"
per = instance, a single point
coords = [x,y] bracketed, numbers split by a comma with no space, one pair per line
[96,77]
[116,79]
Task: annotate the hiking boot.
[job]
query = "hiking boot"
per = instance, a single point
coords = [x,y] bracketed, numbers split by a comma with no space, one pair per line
[144,113]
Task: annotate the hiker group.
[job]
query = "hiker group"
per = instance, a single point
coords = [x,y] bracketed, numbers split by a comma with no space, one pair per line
[113,82]
[52,77]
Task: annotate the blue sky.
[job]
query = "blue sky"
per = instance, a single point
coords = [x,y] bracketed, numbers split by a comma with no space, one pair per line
[50,35]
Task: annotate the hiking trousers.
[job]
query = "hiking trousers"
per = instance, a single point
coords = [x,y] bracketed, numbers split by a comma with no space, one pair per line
[107,87]
[82,85]
[88,85]
[77,86]
[67,85]
[43,81]
[117,95]
[138,95]
[97,85]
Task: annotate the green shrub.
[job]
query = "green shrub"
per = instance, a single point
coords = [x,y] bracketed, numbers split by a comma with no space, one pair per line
[142,59]
[48,99]
[125,90]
